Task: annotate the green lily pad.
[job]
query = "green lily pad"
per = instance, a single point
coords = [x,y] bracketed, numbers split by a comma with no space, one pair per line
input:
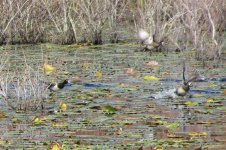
[109,109]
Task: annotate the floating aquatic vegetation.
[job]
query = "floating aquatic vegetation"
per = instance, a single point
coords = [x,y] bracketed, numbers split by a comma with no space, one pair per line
[55,146]
[38,120]
[60,124]
[131,71]
[191,103]
[224,92]
[48,69]
[197,134]
[151,64]
[172,126]
[63,106]
[3,115]
[109,109]
[99,74]
[85,95]
[173,143]
[102,90]
[151,78]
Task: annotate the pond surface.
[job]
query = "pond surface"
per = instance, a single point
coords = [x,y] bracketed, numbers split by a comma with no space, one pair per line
[113,108]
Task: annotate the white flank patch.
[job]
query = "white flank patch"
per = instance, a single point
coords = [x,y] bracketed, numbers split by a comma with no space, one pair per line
[55,88]
[143,35]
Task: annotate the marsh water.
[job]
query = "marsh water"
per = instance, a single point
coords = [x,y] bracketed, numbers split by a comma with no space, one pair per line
[114,108]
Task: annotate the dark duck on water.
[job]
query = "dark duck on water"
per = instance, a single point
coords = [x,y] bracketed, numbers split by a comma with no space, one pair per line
[58,86]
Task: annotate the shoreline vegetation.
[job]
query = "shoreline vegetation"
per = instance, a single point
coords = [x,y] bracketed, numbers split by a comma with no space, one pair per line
[183,24]
[179,24]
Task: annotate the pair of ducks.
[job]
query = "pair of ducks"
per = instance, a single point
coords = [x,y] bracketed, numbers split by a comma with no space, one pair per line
[150,42]
[179,91]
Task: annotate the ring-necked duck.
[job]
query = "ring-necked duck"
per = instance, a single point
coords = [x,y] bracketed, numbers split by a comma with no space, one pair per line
[184,89]
[58,86]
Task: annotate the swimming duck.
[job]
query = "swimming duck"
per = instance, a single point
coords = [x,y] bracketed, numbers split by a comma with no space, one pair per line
[180,91]
[58,86]
[184,89]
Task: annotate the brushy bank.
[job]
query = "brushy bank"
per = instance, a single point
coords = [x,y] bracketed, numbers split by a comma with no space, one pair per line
[180,24]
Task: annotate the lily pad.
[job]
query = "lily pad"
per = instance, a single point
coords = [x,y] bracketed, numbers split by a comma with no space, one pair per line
[151,78]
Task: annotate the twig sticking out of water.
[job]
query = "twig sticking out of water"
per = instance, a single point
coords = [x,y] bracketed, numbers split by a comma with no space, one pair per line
[184,79]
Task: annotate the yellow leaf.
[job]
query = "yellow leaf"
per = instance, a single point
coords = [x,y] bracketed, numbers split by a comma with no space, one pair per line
[48,69]
[161,122]
[2,142]
[224,92]
[59,125]
[38,120]
[191,103]
[197,134]
[158,148]
[63,106]
[66,73]
[99,74]
[172,135]
[153,78]
[205,122]
[55,146]
[209,100]
[3,115]
[131,89]
[166,73]
[203,133]
[151,105]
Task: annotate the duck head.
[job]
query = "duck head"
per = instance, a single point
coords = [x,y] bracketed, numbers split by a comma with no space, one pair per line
[62,84]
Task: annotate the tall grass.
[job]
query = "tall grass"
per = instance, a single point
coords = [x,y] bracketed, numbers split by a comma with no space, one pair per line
[24,88]
[185,24]
[60,21]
